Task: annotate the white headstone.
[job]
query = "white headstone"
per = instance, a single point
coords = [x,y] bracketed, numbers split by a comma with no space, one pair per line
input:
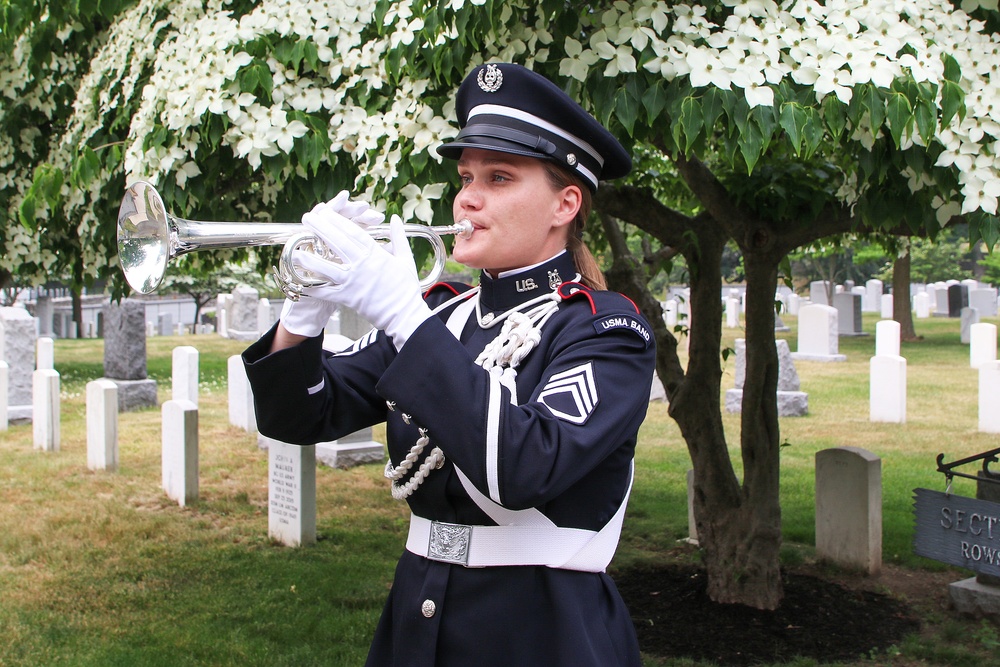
[922,305]
[4,375]
[887,389]
[817,292]
[692,524]
[989,397]
[984,299]
[180,451]
[969,316]
[849,508]
[941,300]
[184,383]
[264,316]
[241,410]
[291,493]
[732,313]
[17,347]
[102,425]
[165,324]
[44,353]
[791,401]
[242,314]
[887,338]
[818,339]
[885,309]
[982,344]
[793,301]
[45,404]
[222,314]
[873,295]
[848,307]
[670,314]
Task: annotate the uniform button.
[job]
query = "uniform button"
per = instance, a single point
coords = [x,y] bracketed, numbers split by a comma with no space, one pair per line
[428,608]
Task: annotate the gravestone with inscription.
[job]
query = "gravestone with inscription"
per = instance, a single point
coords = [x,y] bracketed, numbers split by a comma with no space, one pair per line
[958,298]
[849,508]
[17,348]
[848,314]
[791,401]
[817,338]
[291,493]
[125,354]
[242,314]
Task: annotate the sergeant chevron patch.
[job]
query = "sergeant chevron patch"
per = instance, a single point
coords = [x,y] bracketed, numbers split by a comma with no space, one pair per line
[360,344]
[571,395]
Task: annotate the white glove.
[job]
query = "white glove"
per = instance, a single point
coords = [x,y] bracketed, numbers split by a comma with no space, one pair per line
[358,211]
[309,316]
[379,282]
[306,317]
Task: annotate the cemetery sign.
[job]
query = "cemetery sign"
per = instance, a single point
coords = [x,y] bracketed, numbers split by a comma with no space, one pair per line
[957,530]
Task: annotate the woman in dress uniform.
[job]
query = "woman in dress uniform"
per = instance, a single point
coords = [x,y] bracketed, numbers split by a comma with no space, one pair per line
[512,407]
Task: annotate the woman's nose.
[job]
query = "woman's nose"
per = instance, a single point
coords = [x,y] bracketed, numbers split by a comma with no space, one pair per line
[469,197]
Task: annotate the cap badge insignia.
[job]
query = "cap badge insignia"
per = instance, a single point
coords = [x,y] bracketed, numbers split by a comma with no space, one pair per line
[490,79]
[555,280]
[571,159]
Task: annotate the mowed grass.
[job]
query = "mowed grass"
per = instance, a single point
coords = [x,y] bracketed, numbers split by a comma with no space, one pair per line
[100,568]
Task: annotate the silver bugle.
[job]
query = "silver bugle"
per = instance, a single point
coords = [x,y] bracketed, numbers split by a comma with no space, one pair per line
[149,237]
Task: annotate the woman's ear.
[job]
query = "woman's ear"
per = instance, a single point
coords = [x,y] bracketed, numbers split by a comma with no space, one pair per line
[568,205]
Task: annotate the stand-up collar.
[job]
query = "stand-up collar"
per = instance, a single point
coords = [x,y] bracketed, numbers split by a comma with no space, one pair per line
[514,289]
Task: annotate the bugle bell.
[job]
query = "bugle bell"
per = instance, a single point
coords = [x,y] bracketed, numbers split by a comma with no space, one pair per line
[149,237]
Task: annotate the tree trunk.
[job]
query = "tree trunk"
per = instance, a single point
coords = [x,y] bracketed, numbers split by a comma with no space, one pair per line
[739,529]
[902,309]
[77,301]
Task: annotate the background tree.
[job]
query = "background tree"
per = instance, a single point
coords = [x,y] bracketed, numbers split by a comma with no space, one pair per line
[762,125]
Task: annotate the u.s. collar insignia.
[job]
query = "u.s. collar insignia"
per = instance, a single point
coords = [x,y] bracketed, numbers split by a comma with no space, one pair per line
[555,280]
[490,78]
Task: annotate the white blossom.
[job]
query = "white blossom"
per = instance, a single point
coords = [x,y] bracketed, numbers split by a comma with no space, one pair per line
[418,200]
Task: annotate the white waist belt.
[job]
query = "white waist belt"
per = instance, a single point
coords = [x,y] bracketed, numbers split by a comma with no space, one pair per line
[492,546]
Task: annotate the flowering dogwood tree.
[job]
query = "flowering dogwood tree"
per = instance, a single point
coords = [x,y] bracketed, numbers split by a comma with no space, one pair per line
[771,125]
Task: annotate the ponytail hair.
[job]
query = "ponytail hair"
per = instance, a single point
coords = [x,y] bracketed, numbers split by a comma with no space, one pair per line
[590,272]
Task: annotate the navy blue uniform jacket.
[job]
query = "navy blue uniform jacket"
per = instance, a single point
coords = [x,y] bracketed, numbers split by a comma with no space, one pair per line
[565,448]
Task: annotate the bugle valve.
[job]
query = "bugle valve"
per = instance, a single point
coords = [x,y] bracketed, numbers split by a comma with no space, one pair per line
[149,237]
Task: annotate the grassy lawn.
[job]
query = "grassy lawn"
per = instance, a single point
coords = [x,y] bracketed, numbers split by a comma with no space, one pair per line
[100,568]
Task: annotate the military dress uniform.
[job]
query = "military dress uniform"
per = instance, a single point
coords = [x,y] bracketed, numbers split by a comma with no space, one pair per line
[550,449]
[511,419]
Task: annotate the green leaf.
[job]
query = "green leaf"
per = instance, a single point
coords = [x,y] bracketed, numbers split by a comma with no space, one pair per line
[874,102]
[813,132]
[692,121]
[626,109]
[835,115]
[899,114]
[26,212]
[751,146]
[653,101]
[792,121]
[952,102]
[926,117]
[952,70]
[713,104]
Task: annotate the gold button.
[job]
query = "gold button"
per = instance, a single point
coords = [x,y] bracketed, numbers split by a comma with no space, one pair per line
[428,608]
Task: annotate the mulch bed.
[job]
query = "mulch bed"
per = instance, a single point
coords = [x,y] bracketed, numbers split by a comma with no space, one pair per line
[817,619]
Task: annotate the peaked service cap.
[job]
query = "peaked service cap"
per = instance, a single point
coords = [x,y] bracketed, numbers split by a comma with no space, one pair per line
[508,108]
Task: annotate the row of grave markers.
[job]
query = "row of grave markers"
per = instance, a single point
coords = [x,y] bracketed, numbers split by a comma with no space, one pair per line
[291,468]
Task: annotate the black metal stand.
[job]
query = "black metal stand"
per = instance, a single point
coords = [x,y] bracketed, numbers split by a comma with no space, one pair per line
[948,469]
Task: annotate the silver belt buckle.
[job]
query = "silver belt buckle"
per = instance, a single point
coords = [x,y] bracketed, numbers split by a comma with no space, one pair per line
[449,542]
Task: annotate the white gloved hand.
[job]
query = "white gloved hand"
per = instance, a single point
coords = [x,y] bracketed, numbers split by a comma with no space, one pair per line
[309,316]
[359,212]
[306,317]
[379,282]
